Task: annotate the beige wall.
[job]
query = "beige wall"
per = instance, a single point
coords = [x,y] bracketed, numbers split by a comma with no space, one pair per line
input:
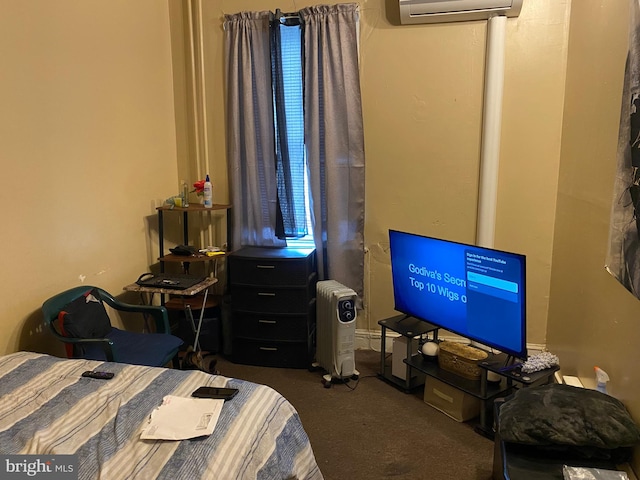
[88,149]
[422,92]
[87,85]
[593,320]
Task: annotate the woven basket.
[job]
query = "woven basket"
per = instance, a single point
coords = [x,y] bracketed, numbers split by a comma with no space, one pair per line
[461,359]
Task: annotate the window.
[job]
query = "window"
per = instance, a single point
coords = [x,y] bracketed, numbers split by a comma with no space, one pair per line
[293,188]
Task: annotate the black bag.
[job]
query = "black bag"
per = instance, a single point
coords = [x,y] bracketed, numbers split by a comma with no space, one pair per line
[183,250]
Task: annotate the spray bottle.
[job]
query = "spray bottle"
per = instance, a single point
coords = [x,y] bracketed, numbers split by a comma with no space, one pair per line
[601,378]
[208,193]
[185,194]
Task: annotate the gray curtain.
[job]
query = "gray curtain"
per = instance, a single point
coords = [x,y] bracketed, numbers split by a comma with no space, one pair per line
[250,130]
[334,140]
[333,136]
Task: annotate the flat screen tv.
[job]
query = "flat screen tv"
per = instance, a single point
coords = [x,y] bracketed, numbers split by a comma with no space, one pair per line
[476,292]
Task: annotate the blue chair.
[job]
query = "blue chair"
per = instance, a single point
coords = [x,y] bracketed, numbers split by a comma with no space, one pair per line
[77,317]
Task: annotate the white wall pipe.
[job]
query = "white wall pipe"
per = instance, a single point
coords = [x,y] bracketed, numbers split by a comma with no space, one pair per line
[203,91]
[199,99]
[203,166]
[194,86]
[491,131]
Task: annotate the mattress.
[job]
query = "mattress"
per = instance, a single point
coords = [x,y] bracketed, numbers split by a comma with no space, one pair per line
[48,408]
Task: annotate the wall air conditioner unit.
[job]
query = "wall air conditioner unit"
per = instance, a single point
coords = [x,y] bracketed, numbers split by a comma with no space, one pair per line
[441,11]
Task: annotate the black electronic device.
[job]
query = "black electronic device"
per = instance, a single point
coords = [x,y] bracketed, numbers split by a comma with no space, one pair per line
[170,281]
[215,393]
[183,250]
[99,375]
[473,291]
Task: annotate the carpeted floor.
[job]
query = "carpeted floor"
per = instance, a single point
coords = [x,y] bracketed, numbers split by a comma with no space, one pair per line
[370,430]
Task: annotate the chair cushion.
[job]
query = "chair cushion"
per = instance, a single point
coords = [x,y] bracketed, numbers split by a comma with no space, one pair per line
[85,317]
[152,349]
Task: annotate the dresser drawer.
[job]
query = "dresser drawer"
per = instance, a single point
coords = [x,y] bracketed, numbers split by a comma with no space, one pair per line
[272,327]
[271,300]
[271,354]
[275,267]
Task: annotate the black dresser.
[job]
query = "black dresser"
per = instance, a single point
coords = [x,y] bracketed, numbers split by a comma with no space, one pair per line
[273,306]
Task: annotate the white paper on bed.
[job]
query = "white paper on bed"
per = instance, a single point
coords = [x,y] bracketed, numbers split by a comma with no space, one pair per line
[180,418]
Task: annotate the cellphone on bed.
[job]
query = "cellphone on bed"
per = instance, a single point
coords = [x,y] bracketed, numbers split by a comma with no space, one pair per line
[215,392]
[98,375]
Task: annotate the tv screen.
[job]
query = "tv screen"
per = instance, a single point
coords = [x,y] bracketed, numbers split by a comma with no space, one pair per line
[475,292]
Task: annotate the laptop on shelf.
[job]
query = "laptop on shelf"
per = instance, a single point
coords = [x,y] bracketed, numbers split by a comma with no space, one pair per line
[173,281]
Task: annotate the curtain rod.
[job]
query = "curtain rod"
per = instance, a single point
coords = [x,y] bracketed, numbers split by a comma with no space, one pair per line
[286,16]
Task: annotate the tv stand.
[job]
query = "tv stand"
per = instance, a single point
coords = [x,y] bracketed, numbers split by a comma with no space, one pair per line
[481,389]
[509,368]
[408,327]
[510,362]
[405,317]
[506,366]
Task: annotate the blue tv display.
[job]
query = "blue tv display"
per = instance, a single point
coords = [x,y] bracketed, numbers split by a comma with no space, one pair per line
[476,292]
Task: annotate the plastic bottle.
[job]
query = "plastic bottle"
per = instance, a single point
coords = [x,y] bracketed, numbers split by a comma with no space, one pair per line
[185,194]
[208,193]
[601,380]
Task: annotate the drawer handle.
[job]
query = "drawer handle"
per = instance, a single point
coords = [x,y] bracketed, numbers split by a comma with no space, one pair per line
[266,266]
[267,321]
[269,349]
[266,294]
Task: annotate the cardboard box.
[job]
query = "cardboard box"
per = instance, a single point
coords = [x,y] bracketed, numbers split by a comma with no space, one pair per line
[398,367]
[449,400]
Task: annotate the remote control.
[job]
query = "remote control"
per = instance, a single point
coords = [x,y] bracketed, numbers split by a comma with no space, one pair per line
[99,375]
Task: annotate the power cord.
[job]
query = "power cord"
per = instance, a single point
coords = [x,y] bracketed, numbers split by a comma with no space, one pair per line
[357,382]
[346,381]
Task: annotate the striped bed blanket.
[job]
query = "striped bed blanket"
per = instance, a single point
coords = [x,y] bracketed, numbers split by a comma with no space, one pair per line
[48,408]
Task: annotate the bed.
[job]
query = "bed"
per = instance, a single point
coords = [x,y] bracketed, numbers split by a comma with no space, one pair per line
[48,408]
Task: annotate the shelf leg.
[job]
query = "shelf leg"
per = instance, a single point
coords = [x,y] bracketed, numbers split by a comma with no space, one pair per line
[189,314]
[196,342]
[483,401]
[383,348]
[185,229]
[407,381]
[161,238]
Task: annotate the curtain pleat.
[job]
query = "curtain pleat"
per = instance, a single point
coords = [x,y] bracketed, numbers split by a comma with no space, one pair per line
[250,130]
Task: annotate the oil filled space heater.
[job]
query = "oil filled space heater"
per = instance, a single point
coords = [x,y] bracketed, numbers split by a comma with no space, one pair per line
[336,331]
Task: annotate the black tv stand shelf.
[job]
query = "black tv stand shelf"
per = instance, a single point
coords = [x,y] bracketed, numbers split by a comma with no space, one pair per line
[474,388]
[408,327]
[482,389]
[497,364]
